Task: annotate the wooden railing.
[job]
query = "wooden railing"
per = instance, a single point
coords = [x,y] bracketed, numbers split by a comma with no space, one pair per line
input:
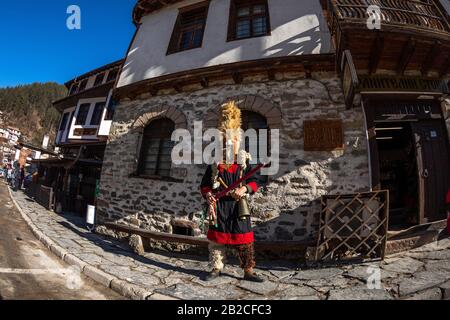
[419,15]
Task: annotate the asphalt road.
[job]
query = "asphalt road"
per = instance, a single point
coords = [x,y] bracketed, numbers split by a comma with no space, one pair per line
[29,271]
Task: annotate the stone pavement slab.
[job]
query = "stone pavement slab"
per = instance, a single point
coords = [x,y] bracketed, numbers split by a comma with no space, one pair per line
[162,275]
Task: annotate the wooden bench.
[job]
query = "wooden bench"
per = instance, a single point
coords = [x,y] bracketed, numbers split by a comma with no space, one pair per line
[203,242]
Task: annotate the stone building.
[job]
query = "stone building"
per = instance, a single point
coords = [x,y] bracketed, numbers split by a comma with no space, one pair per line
[337,91]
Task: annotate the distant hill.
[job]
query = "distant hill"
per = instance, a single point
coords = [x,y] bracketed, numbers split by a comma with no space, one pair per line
[29,108]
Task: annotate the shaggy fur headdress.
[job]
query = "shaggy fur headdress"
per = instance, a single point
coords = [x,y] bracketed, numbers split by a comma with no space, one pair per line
[230,118]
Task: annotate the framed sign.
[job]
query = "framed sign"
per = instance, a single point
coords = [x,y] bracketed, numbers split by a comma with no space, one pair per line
[323,135]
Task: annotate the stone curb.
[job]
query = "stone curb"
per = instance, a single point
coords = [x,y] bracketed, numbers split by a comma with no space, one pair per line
[120,286]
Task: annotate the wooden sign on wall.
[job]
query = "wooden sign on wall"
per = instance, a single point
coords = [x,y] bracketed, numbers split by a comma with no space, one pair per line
[85,132]
[323,135]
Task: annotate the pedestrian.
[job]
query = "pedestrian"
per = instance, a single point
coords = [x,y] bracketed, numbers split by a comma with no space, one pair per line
[16,176]
[9,175]
[230,232]
[22,177]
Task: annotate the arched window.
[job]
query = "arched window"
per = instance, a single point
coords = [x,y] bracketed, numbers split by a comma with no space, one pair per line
[155,158]
[254,120]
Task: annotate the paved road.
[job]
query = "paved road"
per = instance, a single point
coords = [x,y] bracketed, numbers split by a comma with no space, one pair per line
[28,270]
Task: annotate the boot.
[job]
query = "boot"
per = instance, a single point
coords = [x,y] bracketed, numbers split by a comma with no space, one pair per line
[252,277]
[213,275]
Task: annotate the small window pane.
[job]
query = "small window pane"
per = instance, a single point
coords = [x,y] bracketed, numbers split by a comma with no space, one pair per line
[242,12]
[259,26]
[185,40]
[82,114]
[112,75]
[243,29]
[83,85]
[259,9]
[99,79]
[64,121]
[97,115]
[198,35]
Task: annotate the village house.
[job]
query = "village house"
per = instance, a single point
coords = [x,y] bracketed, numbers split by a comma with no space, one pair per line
[359,109]
[9,137]
[70,179]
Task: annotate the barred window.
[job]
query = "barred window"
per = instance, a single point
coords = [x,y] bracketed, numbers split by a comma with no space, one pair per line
[248,19]
[189,28]
[156,149]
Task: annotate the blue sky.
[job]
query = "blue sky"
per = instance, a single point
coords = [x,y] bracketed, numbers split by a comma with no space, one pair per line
[36,45]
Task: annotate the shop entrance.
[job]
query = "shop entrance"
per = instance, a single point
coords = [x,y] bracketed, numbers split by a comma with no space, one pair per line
[398,172]
[410,157]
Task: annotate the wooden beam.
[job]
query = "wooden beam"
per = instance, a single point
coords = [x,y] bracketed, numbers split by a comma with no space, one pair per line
[431,57]
[377,51]
[407,53]
[271,74]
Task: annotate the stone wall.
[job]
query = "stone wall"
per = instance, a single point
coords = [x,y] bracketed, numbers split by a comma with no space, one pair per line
[287,208]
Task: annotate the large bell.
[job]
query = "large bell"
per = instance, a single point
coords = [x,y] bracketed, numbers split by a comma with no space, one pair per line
[244,209]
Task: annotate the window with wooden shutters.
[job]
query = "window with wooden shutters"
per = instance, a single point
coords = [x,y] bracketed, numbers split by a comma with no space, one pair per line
[254,120]
[189,28]
[248,19]
[156,149]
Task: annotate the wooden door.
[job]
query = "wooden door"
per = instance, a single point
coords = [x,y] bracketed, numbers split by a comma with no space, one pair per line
[433,163]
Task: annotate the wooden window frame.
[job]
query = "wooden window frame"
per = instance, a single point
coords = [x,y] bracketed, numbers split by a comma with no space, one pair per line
[233,18]
[101,114]
[108,78]
[83,85]
[77,123]
[65,121]
[142,153]
[97,77]
[175,39]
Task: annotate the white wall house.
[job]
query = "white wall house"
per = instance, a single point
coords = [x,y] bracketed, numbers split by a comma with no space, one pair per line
[296,28]
[86,113]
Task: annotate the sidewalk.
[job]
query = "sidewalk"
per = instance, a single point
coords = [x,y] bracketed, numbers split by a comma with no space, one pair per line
[422,273]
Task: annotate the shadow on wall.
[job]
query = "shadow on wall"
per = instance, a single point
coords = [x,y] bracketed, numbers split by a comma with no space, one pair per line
[140,66]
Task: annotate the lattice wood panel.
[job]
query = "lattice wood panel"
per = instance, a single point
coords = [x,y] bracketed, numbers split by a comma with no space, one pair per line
[353,227]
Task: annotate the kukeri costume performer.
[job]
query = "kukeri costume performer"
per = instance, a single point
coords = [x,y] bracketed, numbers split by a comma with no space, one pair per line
[230,229]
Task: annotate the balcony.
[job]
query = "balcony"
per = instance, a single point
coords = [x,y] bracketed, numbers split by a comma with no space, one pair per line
[413,37]
[406,15]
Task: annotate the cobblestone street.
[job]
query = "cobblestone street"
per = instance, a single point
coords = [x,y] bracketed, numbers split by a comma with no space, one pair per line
[422,273]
